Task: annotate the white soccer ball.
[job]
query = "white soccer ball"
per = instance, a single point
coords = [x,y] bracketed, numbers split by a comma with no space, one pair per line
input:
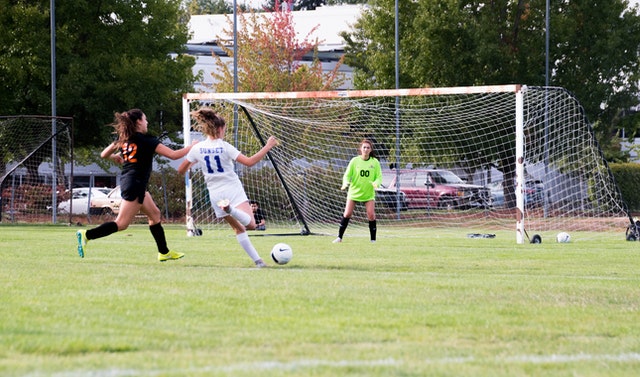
[281,253]
[563,237]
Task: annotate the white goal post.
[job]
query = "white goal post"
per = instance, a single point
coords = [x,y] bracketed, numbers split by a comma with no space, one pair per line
[529,152]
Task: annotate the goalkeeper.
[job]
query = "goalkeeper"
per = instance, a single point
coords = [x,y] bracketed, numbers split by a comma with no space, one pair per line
[362,177]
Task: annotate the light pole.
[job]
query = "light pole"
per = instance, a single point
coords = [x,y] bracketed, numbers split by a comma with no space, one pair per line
[546,108]
[54,178]
[397,110]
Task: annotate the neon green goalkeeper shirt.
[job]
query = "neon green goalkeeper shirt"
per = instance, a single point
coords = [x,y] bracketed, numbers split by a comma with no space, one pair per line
[361,175]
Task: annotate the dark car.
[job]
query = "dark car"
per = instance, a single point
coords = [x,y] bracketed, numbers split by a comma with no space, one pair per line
[437,188]
[387,198]
[533,193]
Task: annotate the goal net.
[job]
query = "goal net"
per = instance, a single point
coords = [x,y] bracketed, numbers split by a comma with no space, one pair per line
[463,159]
[33,151]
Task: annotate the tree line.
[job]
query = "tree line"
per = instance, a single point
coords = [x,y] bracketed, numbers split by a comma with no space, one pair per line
[114,55]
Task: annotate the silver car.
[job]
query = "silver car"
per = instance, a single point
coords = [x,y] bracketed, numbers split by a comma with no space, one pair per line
[79,202]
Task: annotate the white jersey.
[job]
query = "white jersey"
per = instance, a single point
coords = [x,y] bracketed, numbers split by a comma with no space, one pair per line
[216,158]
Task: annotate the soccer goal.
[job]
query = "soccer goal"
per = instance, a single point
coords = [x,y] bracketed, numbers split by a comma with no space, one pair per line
[33,154]
[464,159]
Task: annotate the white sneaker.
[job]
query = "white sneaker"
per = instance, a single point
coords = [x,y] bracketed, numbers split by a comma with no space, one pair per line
[260,264]
[337,240]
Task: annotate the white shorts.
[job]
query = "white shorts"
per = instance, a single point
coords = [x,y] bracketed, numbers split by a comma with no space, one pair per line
[235,193]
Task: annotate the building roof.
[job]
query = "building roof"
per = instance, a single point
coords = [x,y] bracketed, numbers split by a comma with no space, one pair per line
[329,20]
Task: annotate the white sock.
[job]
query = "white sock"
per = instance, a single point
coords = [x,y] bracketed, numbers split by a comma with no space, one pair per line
[241,216]
[245,242]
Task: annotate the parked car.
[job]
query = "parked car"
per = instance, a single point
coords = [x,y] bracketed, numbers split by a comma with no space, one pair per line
[109,204]
[533,193]
[387,198]
[497,193]
[80,197]
[437,188]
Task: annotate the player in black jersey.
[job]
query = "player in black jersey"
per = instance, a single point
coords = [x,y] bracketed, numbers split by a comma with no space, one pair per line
[134,149]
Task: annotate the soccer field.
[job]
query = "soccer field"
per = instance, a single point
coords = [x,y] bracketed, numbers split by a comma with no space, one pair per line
[418,302]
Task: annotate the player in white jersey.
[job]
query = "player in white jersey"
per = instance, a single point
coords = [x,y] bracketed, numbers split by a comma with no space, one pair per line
[217,157]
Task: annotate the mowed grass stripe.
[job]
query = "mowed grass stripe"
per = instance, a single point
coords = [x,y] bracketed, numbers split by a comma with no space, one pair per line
[402,306]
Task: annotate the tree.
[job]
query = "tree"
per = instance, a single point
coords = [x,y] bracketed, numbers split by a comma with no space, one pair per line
[24,59]
[340,2]
[308,4]
[597,59]
[111,56]
[210,7]
[270,57]
[313,4]
[593,53]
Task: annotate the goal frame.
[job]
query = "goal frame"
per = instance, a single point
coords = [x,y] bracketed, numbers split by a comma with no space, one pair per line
[516,89]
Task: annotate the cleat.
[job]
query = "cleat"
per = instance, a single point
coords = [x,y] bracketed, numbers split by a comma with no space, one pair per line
[81,235]
[171,255]
[224,204]
[373,241]
[260,264]
[337,240]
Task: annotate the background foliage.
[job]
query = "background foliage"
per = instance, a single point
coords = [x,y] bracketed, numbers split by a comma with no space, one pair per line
[270,57]
[593,51]
[168,184]
[111,56]
[627,177]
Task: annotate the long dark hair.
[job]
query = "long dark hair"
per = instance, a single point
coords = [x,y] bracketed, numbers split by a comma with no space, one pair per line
[126,124]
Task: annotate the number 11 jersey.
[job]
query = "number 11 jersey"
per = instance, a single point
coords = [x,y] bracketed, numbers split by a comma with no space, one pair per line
[216,158]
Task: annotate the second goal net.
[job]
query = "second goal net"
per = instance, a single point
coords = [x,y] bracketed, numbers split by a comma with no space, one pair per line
[474,159]
[34,151]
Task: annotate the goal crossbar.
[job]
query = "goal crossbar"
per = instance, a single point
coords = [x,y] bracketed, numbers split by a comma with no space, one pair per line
[512,88]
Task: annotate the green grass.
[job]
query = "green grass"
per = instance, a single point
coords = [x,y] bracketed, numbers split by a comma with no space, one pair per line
[418,302]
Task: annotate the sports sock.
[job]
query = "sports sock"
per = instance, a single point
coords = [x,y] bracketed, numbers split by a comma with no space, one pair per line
[373,229]
[245,242]
[158,234]
[102,230]
[241,216]
[343,226]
